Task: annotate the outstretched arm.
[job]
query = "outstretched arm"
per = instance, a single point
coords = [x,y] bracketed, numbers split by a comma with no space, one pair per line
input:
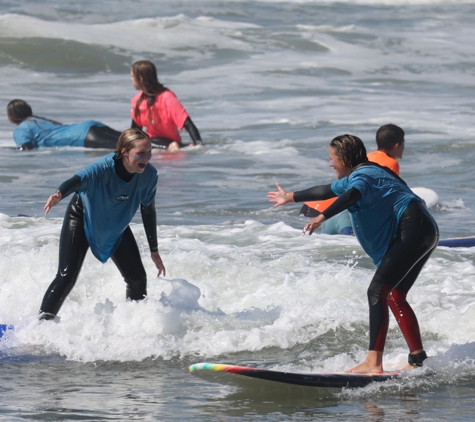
[317,193]
[345,201]
[66,188]
[281,197]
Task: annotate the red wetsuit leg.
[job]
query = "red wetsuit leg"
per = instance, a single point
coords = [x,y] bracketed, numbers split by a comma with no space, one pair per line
[406,319]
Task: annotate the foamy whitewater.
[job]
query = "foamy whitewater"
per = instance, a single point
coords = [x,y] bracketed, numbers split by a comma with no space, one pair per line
[268,84]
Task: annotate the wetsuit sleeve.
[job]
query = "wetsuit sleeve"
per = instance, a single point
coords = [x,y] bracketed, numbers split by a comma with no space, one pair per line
[193,131]
[69,186]
[27,145]
[317,193]
[149,219]
[342,203]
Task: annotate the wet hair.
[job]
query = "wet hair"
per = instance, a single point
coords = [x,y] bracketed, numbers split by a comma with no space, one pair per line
[18,111]
[127,140]
[145,74]
[350,149]
[389,135]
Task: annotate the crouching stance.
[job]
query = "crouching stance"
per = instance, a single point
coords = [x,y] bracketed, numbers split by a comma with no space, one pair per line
[108,194]
[394,228]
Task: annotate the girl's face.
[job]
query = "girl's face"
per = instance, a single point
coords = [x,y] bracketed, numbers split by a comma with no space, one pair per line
[338,165]
[138,157]
[135,82]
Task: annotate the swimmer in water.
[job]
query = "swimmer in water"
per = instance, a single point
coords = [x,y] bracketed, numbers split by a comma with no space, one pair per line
[35,132]
[394,228]
[390,142]
[158,111]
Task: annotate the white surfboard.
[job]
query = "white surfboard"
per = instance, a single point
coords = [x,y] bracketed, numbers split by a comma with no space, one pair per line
[428,195]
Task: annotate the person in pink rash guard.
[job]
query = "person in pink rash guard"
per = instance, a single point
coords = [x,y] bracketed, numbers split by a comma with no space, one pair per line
[158,111]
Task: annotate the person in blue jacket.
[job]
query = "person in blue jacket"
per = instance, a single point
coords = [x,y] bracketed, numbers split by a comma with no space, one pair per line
[34,131]
[394,228]
[107,194]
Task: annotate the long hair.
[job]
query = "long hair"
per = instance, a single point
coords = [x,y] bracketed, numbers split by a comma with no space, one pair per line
[127,140]
[19,110]
[350,149]
[145,74]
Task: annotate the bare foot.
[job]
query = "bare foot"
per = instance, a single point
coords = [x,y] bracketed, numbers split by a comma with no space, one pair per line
[408,367]
[373,364]
[365,368]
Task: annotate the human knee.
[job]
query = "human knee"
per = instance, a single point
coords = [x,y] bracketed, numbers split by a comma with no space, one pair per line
[377,290]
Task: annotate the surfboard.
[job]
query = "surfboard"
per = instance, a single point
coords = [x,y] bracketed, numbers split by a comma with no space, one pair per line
[458,242]
[312,379]
[429,196]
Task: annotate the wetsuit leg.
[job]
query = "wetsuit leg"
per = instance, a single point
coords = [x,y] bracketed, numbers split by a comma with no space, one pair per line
[101,137]
[416,239]
[128,261]
[73,247]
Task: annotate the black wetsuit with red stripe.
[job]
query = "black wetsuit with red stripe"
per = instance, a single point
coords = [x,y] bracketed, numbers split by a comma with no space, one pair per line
[416,238]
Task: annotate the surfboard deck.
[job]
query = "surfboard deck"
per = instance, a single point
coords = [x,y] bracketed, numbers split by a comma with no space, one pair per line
[326,380]
[458,242]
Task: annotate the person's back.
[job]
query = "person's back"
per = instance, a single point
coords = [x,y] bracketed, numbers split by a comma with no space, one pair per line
[45,133]
[35,131]
[390,141]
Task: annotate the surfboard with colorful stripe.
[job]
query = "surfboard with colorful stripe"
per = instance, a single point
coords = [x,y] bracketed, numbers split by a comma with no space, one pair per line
[332,380]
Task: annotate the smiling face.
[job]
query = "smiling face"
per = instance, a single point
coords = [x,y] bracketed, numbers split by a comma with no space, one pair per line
[341,170]
[136,159]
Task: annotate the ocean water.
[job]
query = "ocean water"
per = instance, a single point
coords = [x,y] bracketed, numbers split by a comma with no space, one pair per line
[268,83]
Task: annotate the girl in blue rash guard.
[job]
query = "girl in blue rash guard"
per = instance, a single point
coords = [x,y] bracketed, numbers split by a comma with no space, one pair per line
[108,194]
[394,228]
[34,131]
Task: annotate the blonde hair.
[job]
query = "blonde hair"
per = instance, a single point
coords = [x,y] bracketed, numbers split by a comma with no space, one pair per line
[127,140]
[145,74]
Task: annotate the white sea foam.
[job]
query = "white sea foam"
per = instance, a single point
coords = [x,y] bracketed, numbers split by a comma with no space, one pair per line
[229,288]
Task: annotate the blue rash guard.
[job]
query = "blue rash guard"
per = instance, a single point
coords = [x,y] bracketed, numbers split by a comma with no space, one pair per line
[44,133]
[375,216]
[110,203]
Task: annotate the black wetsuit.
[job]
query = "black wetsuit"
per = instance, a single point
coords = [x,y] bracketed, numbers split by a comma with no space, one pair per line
[417,237]
[73,247]
[101,137]
[164,143]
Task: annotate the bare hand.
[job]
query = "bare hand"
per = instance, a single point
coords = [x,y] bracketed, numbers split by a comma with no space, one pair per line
[52,201]
[158,263]
[280,197]
[313,225]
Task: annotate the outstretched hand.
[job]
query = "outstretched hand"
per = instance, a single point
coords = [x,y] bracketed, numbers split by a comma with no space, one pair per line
[280,197]
[158,263]
[313,225]
[52,201]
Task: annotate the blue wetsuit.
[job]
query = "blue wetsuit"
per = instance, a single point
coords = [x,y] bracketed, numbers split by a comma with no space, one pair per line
[110,203]
[375,216]
[340,224]
[36,132]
